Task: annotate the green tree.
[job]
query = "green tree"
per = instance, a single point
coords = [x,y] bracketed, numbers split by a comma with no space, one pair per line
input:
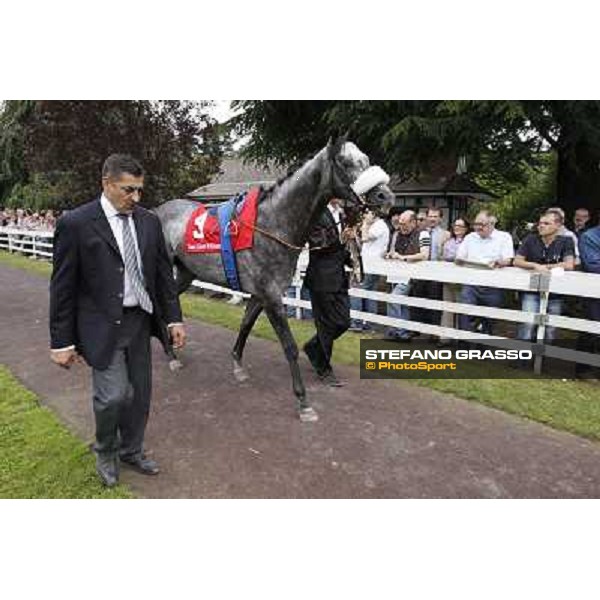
[521,203]
[502,139]
[67,141]
[13,114]
[41,192]
[572,129]
[403,136]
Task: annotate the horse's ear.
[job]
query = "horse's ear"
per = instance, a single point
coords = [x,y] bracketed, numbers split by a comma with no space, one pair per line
[332,147]
[336,147]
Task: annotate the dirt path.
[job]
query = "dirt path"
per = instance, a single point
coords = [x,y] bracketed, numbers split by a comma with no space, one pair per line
[218,439]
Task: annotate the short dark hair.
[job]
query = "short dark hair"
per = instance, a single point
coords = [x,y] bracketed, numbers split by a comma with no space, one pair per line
[117,164]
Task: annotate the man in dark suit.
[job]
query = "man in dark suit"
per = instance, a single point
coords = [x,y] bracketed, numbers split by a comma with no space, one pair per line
[327,281]
[112,287]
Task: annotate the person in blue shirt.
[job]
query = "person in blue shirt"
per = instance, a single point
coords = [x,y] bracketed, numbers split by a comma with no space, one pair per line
[589,250]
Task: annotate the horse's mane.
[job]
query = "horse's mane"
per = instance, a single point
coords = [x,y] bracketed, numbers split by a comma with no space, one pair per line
[291,170]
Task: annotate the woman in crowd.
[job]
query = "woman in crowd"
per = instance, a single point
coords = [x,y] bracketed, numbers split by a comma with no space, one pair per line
[451,291]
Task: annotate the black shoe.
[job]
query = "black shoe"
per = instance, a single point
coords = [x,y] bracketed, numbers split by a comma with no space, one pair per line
[141,464]
[330,379]
[107,468]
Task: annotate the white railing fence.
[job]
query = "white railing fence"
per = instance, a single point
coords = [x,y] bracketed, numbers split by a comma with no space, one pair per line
[34,243]
[583,285]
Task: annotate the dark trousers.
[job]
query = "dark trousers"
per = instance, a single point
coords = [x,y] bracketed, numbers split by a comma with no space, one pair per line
[481,296]
[431,290]
[331,311]
[589,342]
[121,392]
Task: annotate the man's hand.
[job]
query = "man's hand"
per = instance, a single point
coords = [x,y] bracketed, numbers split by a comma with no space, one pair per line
[504,262]
[178,336]
[541,268]
[348,234]
[65,358]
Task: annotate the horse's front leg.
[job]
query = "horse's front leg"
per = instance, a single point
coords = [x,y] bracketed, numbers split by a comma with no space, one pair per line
[278,319]
[253,309]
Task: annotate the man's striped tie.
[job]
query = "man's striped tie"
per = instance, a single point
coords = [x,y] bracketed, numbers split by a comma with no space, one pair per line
[131,266]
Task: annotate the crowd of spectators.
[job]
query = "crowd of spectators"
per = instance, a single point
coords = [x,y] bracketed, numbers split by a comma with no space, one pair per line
[548,245]
[22,218]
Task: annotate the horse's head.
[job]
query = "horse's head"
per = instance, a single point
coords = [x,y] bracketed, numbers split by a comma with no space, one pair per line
[354,181]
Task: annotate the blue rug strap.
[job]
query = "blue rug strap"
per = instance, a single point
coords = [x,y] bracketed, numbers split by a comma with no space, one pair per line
[224,214]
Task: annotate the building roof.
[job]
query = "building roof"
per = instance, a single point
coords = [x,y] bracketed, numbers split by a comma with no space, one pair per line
[454,185]
[236,176]
[443,178]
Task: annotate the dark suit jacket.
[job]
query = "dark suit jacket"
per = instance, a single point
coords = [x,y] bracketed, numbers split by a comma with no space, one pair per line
[86,289]
[325,271]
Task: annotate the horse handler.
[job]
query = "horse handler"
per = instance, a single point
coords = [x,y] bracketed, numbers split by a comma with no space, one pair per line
[327,281]
[112,287]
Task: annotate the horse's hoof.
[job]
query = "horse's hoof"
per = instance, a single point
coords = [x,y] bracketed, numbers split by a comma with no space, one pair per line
[240,374]
[175,365]
[308,415]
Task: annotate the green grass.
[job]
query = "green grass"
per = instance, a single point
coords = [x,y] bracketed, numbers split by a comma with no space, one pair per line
[18,261]
[568,405]
[39,457]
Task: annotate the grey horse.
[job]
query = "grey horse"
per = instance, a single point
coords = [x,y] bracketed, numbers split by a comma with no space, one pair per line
[285,215]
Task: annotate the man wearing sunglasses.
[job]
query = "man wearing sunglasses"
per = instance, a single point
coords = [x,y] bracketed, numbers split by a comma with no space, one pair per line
[112,287]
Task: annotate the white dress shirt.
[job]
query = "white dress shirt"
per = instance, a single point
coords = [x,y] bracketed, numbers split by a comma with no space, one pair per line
[336,213]
[129,298]
[498,246]
[376,240]
[116,224]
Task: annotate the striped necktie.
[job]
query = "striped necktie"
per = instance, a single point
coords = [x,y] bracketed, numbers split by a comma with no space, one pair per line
[132,268]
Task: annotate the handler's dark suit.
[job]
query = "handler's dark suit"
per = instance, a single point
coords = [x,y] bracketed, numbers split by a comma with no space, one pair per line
[327,282]
[86,310]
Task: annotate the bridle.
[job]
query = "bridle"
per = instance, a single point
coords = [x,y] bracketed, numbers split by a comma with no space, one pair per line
[357,203]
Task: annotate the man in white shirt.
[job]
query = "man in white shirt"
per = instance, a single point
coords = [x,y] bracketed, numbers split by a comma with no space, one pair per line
[432,289]
[486,246]
[439,235]
[374,238]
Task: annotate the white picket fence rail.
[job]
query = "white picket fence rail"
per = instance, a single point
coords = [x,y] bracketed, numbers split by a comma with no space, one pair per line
[32,242]
[584,285]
